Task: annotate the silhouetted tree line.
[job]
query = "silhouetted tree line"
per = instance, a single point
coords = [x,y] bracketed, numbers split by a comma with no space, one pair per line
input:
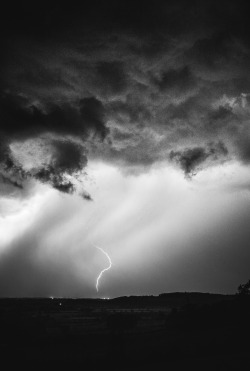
[225,313]
[244,289]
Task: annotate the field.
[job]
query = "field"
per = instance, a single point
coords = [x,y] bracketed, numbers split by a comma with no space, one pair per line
[170,331]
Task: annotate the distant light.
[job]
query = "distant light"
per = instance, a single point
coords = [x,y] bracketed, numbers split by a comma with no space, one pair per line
[60,303]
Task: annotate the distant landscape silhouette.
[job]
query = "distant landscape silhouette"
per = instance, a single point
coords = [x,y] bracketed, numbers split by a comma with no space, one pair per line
[169,330]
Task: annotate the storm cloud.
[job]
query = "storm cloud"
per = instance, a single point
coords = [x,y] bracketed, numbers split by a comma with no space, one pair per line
[151,79]
[192,158]
[65,127]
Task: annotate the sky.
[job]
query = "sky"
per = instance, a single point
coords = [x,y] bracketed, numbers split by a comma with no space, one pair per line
[124,125]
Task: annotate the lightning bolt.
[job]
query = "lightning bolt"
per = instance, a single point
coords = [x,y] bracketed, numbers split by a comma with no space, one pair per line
[105,269]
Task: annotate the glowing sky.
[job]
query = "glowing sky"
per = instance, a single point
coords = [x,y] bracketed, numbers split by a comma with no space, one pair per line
[162,231]
[124,126]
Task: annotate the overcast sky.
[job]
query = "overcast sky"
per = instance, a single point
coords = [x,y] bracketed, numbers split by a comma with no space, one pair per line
[124,125]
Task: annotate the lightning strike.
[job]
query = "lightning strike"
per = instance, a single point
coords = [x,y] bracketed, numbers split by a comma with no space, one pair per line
[105,269]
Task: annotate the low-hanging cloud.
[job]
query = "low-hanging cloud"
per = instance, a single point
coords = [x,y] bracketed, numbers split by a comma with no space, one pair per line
[68,127]
[192,158]
[141,86]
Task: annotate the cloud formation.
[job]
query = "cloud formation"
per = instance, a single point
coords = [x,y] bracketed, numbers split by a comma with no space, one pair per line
[191,159]
[128,86]
[65,127]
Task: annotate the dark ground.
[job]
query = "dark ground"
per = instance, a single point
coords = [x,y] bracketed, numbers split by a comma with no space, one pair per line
[170,332]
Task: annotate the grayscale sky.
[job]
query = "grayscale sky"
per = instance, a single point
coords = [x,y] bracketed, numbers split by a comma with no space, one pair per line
[127,126]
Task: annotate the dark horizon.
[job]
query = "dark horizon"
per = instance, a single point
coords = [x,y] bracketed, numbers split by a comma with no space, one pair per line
[120,297]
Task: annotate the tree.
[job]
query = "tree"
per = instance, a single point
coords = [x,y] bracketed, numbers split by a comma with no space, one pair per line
[244,289]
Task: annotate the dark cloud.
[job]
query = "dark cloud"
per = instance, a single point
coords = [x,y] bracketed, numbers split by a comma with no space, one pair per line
[93,113]
[10,170]
[212,52]
[111,77]
[130,112]
[52,176]
[243,146]
[177,81]
[150,78]
[22,120]
[191,159]
[221,113]
[87,197]
[174,17]
[68,156]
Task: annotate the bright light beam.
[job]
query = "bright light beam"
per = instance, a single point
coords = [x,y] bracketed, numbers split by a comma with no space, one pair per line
[105,269]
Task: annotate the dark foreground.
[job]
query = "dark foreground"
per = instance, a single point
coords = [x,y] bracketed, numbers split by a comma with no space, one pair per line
[169,332]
